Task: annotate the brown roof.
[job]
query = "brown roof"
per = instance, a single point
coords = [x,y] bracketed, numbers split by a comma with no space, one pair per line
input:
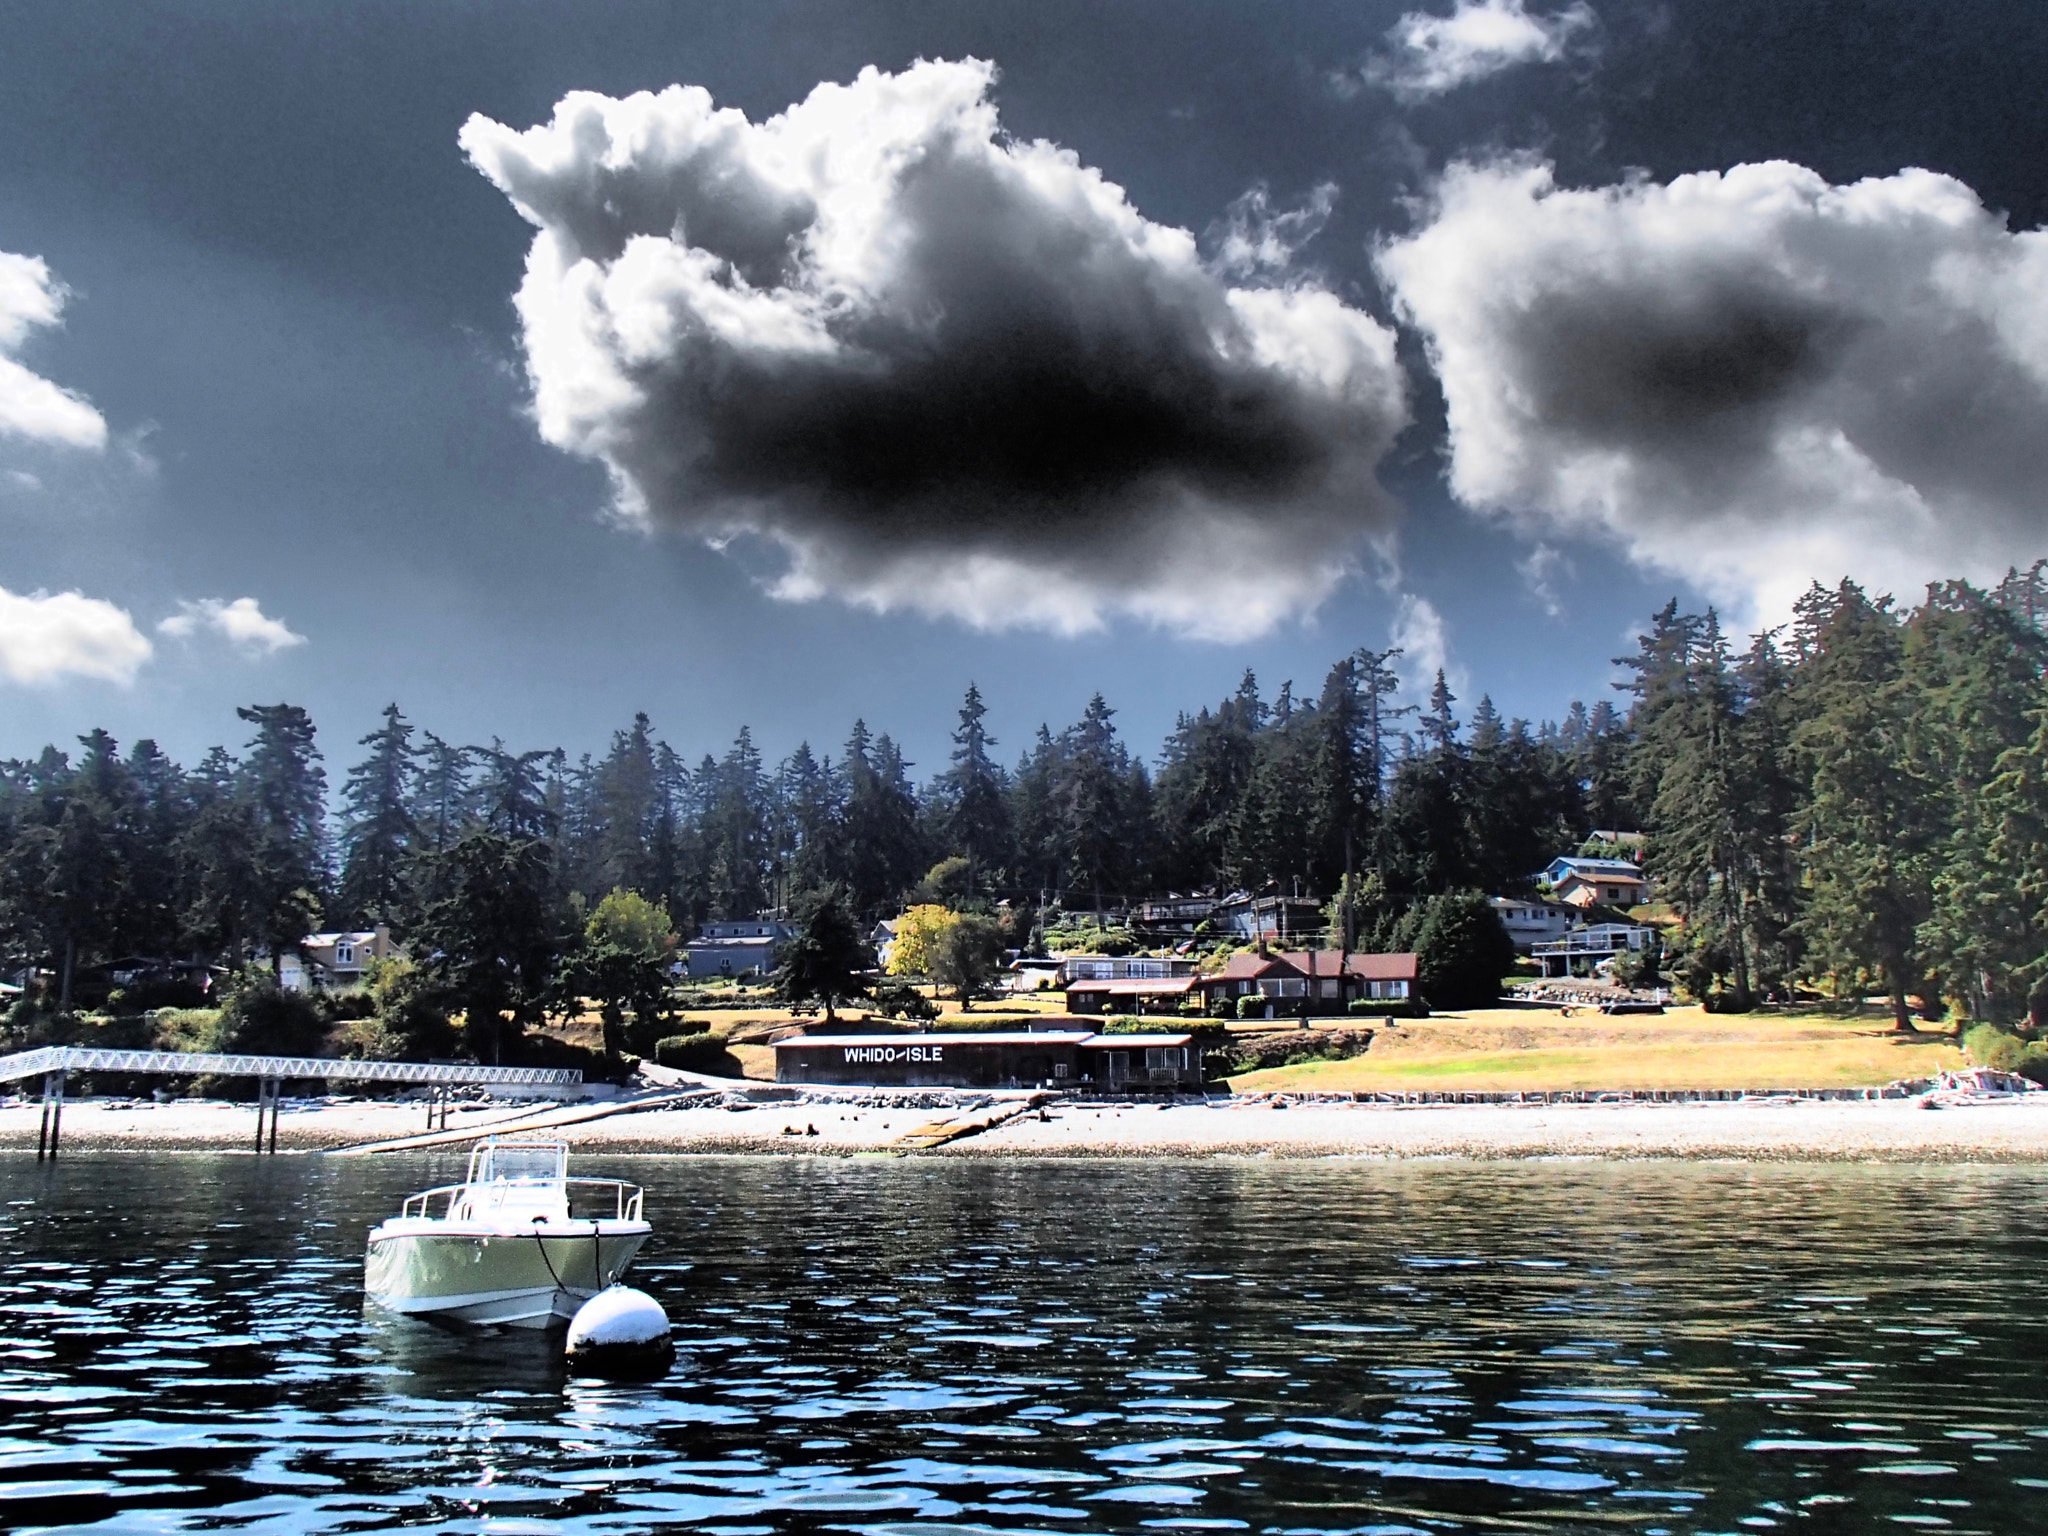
[1331,962]
[1249,965]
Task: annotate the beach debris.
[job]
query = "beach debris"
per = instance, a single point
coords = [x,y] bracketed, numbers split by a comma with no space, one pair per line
[1976,1085]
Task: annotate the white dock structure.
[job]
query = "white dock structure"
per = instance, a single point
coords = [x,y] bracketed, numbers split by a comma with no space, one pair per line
[54,1062]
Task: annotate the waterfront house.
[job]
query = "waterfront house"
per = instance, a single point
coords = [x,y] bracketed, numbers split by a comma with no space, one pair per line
[1584,947]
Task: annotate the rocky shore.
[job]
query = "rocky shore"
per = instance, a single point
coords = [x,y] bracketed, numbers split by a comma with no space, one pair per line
[695,1120]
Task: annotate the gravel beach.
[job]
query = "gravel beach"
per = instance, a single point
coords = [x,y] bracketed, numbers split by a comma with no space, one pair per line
[1778,1130]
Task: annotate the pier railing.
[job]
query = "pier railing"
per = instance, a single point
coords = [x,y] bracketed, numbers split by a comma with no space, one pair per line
[53,1062]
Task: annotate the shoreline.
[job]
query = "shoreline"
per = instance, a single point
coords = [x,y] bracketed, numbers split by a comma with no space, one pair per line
[1773,1130]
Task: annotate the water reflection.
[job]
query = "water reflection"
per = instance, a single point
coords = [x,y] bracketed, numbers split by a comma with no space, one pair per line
[921,1348]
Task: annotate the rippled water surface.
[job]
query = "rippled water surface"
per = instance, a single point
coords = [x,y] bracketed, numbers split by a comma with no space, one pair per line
[928,1347]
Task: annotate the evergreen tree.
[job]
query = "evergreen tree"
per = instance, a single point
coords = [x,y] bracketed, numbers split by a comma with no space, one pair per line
[286,789]
[1870,826]
[379,837]
[735,829]
[492,934]
[444,796]
[625,804]
[1095,830]
[974,813]
[827,962]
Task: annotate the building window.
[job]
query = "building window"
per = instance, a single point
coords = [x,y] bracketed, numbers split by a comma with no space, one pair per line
[344,954]
[1059,1069]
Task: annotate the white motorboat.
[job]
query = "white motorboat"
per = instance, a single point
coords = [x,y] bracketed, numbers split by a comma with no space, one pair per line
[517,1244]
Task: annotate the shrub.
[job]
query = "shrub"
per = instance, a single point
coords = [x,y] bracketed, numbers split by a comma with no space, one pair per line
[1127,1024]
[1252,1005]
[705,1053]
[148,996]
[185,1029]
[538,1050]
[1387,1008]
[1292,1049]
[1989,1046]
[903,1001]
[30,1023]
[411,1016]
[2002,1051]
[260,1018]
[366,1039]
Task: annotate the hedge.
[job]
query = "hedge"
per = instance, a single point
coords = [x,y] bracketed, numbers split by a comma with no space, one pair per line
[1388,1008]
[704,1053]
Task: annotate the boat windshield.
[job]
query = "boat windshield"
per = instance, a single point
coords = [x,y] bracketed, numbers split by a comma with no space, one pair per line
[545,1162]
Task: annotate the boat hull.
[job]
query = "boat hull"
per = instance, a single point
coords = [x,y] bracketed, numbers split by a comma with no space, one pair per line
[506,1279]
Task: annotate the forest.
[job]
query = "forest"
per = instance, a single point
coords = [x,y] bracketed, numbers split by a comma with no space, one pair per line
[1856,803]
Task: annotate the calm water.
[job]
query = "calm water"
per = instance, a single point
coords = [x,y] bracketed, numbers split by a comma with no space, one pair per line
[925,1348]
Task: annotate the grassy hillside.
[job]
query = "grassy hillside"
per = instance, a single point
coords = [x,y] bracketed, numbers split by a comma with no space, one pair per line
[1533,1049]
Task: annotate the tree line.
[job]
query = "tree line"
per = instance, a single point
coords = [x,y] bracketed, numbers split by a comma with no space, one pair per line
[1858,798]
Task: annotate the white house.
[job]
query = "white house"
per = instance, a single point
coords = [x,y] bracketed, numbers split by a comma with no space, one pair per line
[326,961]
[1585,947]
[1530,921]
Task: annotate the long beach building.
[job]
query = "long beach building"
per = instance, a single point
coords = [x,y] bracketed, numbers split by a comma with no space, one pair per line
[1038,1059]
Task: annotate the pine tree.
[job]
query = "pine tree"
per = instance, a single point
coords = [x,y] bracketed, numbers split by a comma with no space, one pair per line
[286,788]
[625,800]
[1973,671]
[1094,826]
[379,838]
[1870,824]
[736,829]
[974,816]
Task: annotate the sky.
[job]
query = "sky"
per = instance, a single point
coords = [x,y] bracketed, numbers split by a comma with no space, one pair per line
[531,365]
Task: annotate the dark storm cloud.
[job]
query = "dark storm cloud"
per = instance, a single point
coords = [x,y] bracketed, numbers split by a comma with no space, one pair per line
[1757,379]
[942,370]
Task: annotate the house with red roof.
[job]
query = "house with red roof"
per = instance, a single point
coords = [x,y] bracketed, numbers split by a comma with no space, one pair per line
[1309,980]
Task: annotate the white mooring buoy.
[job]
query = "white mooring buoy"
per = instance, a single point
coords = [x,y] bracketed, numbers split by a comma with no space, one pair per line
[623,1333]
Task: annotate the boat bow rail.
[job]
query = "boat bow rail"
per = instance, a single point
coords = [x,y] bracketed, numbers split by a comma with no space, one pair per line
[625,1199]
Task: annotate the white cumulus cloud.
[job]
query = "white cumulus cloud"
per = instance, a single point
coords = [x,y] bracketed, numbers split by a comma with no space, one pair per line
[1427,55]
[31,407]
[1424,640]
[242,623]
[1754,379]
[941,370]
[47,637]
